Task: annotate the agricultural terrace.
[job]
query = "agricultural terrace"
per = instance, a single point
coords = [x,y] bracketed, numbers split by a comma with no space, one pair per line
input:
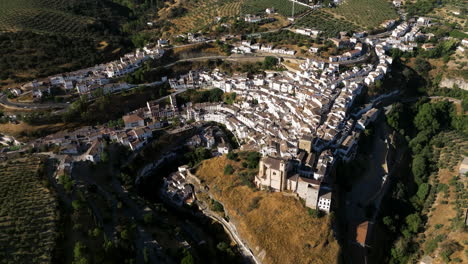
[330,25]
[283,7]
[267,221]
[203,13]
[448,194]
[27,213]
[368,14]
[39,16]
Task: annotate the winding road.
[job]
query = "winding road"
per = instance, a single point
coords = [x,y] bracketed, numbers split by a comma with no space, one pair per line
[31,106]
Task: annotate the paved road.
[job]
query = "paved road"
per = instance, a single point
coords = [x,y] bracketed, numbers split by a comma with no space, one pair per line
[33,106]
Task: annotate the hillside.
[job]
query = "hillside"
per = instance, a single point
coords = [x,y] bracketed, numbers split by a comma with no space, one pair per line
[73,17]
[43,37]
[365,13]
[283,7]
[196,15]
[351,15]
[28,213]
[445,236]
[276,226]
[40,16]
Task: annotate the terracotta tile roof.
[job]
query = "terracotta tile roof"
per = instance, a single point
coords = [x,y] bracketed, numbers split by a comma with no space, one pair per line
[361,232]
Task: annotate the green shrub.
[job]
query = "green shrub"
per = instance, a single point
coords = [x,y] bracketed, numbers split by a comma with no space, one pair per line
[228,170]
[232,156]
[315,213]
[216,206]
[254,203]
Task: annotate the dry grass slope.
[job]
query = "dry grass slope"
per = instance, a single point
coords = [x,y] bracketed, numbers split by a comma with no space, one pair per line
[445,224]
[278,224]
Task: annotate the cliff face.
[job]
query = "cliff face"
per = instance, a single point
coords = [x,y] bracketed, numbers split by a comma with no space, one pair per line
[277,227]
[450,82]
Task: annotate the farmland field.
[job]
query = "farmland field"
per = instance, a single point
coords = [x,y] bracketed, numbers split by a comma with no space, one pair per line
[43,37]
[366,13]
[203,13]
[27,213]
[39,16]
[283,7]
[325,22]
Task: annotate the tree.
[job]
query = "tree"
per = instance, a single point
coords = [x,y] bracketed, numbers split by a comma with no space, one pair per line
[414,222]
[232,156]
[393,119]
[77,204]
[270,62]
[252,159]
[419,166]
[104,156]
[145,255]
[188,258]
[388,222]
[78,254]
[198,155]
[423,190]
[315,213]
[217,206]
[229,98]
[148,218]
[124,234]
[224,247]
[66,182]
[215,95]
[422,66]
[96,232]
[400,251]
[420,140]
[425,119]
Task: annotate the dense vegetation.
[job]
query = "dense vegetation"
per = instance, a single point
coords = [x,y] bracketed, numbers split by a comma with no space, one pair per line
[28,213]
[420,124]
[150,72]
[421,7]
[111,107]
[194,96]
[24,55]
